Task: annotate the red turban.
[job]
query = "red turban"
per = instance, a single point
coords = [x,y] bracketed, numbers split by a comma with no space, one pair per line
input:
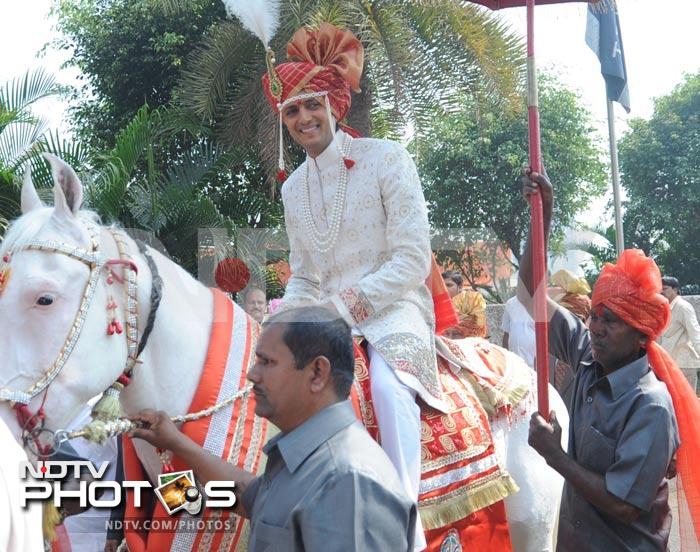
[631,290]
[328,60]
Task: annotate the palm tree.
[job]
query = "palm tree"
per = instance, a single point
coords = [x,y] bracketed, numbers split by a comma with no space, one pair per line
[20,132]
[422,56]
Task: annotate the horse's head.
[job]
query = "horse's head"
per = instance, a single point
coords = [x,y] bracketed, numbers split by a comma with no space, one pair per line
[41,293]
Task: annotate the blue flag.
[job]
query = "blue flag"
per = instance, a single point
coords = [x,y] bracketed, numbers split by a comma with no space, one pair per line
[605,39]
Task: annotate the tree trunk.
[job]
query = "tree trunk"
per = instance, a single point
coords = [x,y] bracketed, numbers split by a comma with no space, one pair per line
[360,117]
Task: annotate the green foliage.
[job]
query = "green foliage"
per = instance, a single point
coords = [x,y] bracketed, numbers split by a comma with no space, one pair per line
[127,186]
[471,165]
[130,53]
[19,129]
[660,165]
[21,135]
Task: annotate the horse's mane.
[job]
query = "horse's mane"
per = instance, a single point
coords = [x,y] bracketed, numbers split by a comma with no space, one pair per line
[24,229]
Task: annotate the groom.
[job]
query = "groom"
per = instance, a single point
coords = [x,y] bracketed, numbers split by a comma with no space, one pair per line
[359,236]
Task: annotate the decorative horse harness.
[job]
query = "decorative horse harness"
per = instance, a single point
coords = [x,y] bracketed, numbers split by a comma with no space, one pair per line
[32,423]
[107,420]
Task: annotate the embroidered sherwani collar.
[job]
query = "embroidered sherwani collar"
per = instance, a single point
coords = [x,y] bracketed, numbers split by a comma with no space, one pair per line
[331,155]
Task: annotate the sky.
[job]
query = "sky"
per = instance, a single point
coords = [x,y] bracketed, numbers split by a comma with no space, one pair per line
[661,42]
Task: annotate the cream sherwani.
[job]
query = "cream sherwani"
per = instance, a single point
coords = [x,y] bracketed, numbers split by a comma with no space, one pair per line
[375,272]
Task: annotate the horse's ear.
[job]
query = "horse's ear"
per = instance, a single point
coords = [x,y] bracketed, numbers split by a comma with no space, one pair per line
[67,189]
[29,198]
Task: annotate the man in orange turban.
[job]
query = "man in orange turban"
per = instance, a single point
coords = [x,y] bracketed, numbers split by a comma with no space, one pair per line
[629,406]
[359,236]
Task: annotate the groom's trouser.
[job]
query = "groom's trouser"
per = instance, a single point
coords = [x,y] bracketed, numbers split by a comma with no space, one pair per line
[398,418]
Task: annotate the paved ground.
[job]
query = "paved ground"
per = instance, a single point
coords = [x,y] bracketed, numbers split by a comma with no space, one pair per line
[674,544]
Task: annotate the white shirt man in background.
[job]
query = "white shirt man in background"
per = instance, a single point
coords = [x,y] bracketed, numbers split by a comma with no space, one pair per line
[519,331]
[682,336]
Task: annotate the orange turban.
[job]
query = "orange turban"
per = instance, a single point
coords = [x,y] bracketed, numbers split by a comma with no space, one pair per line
[328,60]
[631,290]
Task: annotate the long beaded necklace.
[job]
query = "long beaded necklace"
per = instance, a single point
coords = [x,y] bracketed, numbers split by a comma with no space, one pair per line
[323,242]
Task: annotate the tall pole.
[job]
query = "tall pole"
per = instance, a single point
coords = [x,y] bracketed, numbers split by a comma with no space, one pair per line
[619,235]
[539,254]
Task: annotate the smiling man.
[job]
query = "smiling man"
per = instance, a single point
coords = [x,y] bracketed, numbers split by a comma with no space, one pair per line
[359,236]
[327,485]
[623,426]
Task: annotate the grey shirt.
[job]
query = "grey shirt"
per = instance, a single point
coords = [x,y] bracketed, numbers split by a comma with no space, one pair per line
[328,486]
[623,427]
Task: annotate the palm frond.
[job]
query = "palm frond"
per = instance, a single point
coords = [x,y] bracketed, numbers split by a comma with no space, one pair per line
[228,54]
[18,94]
[17,141]
[108,188]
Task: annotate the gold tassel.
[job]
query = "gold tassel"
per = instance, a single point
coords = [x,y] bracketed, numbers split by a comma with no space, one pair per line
[451,509]
[108,408]
[52,518]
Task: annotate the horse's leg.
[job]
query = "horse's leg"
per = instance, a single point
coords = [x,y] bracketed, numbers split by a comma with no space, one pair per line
[532,512]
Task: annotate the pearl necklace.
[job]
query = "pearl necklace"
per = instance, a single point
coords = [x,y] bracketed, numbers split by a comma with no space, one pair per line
[324,242]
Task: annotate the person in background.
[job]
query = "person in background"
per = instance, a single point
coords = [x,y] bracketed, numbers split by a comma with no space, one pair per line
[682,336]
[571,293]
[470,306]
[255,304]
[519,331]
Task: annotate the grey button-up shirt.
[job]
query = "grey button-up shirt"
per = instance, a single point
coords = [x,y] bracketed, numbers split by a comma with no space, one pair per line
[623,427]
[328,486]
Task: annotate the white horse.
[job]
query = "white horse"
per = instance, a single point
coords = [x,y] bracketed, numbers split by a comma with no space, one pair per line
[43,292]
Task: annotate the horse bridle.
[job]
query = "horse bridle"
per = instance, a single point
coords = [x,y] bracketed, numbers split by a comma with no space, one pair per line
[33,423]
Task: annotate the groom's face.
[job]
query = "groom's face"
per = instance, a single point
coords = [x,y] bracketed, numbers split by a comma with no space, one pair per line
[308,124]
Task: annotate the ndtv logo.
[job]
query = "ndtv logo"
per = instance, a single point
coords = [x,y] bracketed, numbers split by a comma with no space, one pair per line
[44,480]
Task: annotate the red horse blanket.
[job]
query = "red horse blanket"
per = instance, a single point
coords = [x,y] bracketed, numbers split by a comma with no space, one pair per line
[462,484]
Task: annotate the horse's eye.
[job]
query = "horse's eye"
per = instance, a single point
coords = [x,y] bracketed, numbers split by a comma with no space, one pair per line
[44,300]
